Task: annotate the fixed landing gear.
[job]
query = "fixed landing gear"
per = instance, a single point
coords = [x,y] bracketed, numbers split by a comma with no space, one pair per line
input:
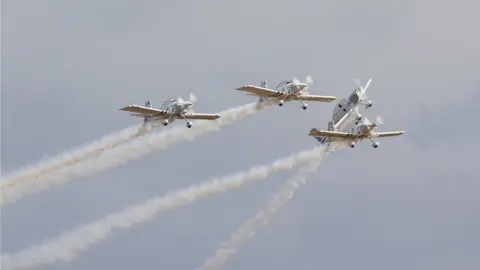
[188,124]
[165,122]
[359,119]
[304,105]
[374,144]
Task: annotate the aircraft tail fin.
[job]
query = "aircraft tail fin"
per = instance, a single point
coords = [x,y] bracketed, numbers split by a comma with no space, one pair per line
[322,140]
[147,104]
[330,126]
[263,84]
[326,140]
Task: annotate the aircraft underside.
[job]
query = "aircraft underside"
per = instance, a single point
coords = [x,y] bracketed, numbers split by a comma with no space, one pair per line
[167,120]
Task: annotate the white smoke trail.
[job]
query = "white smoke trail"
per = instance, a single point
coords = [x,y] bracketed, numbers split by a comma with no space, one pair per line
[71,157]
[124,153]
[67,246]
[252,225]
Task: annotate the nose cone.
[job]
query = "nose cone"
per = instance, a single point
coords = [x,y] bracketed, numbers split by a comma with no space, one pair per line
[302,86]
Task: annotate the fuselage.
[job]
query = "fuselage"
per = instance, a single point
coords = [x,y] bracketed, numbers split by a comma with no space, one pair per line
[365,130]
[345,105]
[179,107]
[293,88]
[174,107]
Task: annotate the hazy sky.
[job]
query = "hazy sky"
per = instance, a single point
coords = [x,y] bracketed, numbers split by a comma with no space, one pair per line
[68,66]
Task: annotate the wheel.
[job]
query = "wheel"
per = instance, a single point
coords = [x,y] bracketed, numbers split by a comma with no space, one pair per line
[304,107]
[165,124]
[189,125]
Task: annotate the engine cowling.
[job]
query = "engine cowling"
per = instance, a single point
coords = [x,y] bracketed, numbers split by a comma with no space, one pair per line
[352,144]
[368,105]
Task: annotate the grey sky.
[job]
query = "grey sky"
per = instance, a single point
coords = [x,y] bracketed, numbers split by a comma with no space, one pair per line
[412,203]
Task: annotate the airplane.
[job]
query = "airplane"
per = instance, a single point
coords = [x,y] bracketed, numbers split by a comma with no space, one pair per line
[286,91]
[359,132]
[351,104]
[343,124]
[171,110]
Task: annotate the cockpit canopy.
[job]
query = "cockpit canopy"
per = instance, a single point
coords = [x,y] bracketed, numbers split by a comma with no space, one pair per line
[282,83]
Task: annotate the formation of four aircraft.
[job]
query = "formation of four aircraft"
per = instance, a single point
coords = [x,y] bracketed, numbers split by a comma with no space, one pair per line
[288,90]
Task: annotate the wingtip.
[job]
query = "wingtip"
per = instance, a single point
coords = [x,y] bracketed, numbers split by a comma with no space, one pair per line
[242,87]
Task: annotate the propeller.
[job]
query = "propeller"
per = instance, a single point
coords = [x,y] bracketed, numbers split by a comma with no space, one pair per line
[363,87]
[192,98]
[378,121]
[357,82]
[309,80]
[366,121]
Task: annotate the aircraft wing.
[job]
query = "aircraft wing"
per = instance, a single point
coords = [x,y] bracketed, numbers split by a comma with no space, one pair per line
[260,91]
[202,116]
[316,98]
[335,134]
[389,134]
[142,110]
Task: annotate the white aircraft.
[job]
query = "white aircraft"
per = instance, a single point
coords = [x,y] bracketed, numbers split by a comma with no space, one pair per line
[171,110]
[359,132]
[356,98]
[345,123]
[286,91]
